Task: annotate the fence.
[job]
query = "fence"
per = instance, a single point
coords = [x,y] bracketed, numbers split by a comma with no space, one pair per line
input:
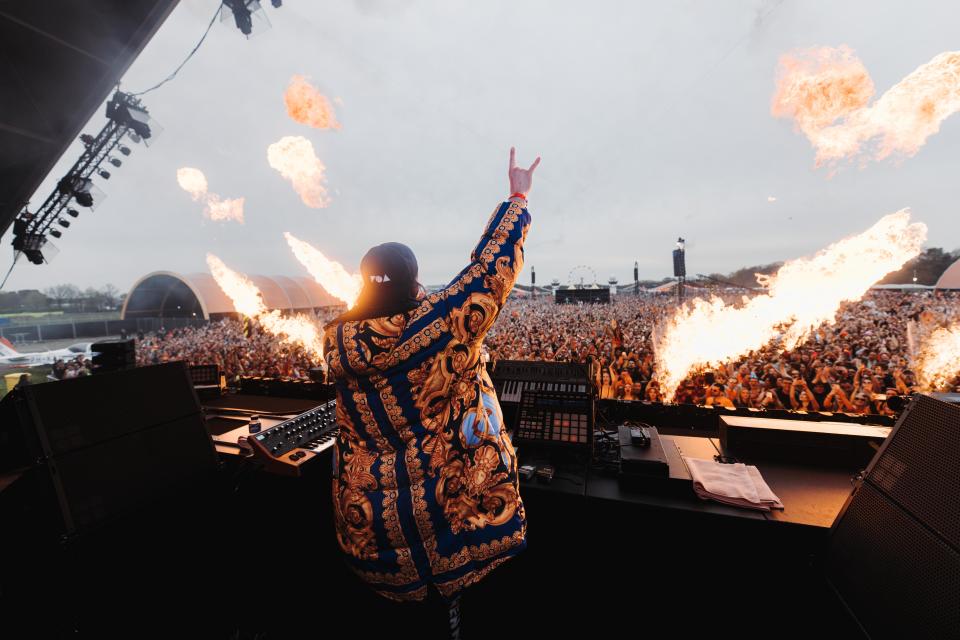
[20,334]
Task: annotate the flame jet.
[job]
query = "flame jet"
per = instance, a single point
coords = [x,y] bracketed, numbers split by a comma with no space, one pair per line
[294,158]
[248,300]
[306,105]
[329,274]
[939,359]
[801,296]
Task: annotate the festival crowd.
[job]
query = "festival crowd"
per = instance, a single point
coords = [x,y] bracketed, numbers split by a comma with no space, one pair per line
[239,348]
[851,365]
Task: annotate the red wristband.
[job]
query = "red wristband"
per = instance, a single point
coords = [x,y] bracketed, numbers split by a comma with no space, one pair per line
[518,195]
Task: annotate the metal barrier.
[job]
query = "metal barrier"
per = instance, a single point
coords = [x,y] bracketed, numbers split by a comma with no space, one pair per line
[692,419]
[25,333]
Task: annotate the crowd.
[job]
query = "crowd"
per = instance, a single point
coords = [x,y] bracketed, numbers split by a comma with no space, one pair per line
[240,349]
[850,366]
[75,368]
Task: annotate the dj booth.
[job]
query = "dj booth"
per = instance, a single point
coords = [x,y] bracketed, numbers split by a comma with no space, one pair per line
[124,500]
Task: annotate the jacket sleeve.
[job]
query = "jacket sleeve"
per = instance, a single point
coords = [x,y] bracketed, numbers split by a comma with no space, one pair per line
[473,299]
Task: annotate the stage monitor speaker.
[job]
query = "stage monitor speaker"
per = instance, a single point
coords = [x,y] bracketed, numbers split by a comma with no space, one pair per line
[114,355]
[110,442]
[894,551]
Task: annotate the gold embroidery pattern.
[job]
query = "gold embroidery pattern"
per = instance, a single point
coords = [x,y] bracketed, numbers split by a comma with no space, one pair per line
[331,353]
[353,513]
[492,498]
[350,344]
[416,594]
[411,346]
[388,485]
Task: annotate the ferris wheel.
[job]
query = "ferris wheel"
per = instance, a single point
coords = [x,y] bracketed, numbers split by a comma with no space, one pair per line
[581,276]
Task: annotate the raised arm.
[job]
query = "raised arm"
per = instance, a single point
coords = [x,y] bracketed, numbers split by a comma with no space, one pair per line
[476,295]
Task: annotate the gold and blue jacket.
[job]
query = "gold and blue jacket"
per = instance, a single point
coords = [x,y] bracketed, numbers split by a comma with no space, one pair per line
[425,486]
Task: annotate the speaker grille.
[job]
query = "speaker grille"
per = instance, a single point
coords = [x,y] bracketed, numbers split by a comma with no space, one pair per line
[920,467]
[893,554]
[898,578]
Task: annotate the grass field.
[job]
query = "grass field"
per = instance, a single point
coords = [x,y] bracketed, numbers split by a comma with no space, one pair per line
[37,375]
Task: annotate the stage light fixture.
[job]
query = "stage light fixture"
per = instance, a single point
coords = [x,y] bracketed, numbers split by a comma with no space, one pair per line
[73,213]
[115,162]
[276,3]
[242,16]
[125,110]
[247,15]
[79,188]
[103,173]
[86,139]
[124,150]
[63,223]
[55,233]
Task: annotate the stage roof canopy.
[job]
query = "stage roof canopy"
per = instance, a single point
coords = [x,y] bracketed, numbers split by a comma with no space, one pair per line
[164,294]
[61,60]
[950,279]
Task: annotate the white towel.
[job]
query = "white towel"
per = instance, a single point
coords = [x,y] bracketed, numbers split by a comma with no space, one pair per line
[739,485]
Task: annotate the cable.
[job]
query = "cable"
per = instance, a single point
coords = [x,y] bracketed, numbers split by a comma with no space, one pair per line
[16,256]
[185,60]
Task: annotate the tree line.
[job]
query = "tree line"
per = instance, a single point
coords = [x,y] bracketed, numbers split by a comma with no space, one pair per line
[926,268]
[62,297]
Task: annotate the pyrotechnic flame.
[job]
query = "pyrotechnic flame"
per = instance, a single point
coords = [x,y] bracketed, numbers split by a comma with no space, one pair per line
[248,300]
[195,183]
[939,360]
[308,106]
[294,158]
[826,92]
[329,274]
[801,296]
[230,209]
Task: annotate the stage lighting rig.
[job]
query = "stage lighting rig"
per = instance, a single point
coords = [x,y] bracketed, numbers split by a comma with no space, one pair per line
[126,116]
[248,15]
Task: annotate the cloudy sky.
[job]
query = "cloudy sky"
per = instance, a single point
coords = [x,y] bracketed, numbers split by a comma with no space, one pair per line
[653,121]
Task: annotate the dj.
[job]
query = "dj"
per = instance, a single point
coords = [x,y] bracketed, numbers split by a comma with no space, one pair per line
[425,492]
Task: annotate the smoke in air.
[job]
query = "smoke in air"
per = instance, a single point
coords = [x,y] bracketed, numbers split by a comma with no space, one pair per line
[194,182]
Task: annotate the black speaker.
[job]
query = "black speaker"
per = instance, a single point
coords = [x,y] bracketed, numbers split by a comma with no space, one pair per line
[894,551]
[114,355]
[110,442]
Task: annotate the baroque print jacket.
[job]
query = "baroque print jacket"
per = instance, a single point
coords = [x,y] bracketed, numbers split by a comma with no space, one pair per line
[425,486]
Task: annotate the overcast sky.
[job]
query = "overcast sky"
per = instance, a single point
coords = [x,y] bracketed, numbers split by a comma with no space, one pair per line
[653,121]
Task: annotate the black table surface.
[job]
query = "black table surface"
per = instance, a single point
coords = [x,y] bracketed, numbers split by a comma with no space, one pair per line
[812,496]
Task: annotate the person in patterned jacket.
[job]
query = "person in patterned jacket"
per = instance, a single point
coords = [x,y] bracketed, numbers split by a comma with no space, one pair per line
[425,488]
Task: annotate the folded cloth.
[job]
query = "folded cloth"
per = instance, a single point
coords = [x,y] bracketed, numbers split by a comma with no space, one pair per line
[739,485]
